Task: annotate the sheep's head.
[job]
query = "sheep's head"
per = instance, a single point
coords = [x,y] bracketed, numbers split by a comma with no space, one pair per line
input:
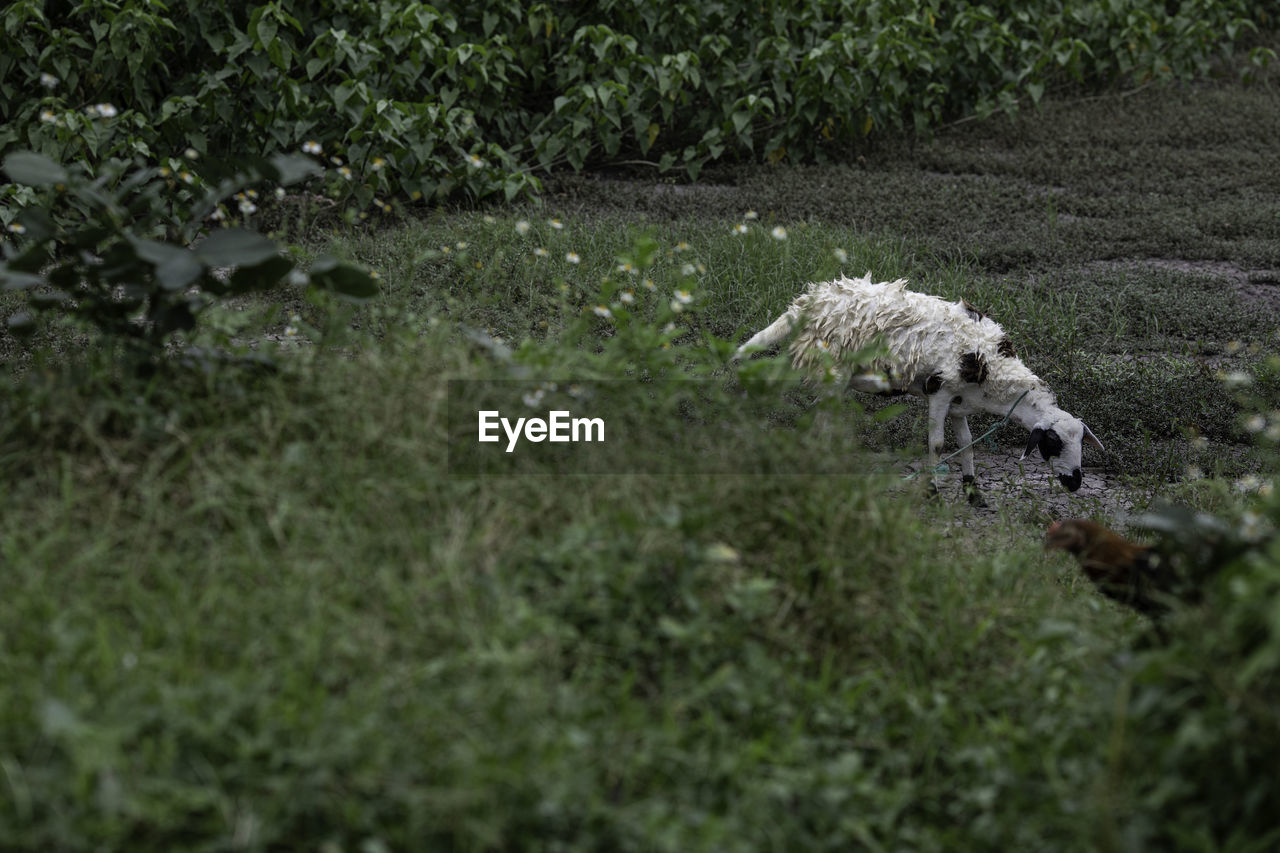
[1060,438]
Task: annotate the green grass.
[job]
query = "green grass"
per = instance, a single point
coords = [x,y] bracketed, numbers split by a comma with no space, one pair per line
[278,622]
[255,611]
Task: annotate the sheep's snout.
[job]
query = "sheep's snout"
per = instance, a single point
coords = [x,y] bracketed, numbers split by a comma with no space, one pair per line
[1072,480]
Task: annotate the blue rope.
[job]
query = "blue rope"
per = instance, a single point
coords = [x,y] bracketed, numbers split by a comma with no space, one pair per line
[942,467]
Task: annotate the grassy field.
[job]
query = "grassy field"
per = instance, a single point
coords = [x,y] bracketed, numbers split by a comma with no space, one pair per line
[255,611]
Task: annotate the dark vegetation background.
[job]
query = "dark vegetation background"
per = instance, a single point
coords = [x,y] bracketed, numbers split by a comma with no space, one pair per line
[247,607]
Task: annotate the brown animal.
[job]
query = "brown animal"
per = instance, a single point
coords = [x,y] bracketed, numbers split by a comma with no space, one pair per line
[1122,570]
[1189,548]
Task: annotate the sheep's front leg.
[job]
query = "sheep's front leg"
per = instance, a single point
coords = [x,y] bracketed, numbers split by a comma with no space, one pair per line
[960,426]
[939,405]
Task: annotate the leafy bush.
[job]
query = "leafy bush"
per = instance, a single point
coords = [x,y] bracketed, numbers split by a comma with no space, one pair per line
[88,249]
[431,102]
[1200,736]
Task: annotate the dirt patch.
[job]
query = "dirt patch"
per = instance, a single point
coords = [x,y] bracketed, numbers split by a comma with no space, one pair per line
[1008,484]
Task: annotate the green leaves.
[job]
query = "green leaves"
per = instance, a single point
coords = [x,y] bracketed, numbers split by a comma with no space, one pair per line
[35,170]
[90,262]
[667,84]
[235,246]
[345,279]
[175,268]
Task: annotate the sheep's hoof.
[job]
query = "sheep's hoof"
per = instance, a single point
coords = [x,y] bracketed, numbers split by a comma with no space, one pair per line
[972,492]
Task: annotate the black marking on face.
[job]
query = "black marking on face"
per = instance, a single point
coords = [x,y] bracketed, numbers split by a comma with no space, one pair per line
[957,400]
[974,314]
[1004,348]
[932,384]
[973,368]
[1072,480]
[1046,441]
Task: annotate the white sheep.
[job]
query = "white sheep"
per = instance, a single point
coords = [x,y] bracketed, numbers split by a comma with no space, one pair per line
[949,353]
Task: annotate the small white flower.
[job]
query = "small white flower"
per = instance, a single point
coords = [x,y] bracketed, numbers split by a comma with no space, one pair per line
[740,228]
[489,219]
[533,398]
[47,117]
[17,228]
[290,331]
[1252,526]
[750,214]
[677,306]
[335,160]
[626,297]
[778,233]
[377,164]
[1193,472]
[823,346]
[1248,483]
[719,552]
[574,390]
[103,111]
[218,215]
[649,284]
[279,193]
[627,267]
[522,227]
[345,171]
[841,255]
[186,177]
[602,311]
[247,207]
[556,224]
[48,80]
[1255,423]
[539,252]
[682,246]
[688,270]
[462,245]
[191,154]
[1237,379]
[669,329]
[312,147]
[684,297]
[572,257]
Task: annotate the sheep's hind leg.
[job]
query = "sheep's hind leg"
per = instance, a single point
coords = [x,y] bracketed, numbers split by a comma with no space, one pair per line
[964,438]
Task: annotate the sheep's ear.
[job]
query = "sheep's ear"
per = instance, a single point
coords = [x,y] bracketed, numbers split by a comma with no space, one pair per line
[1091,438]
[1033,441]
